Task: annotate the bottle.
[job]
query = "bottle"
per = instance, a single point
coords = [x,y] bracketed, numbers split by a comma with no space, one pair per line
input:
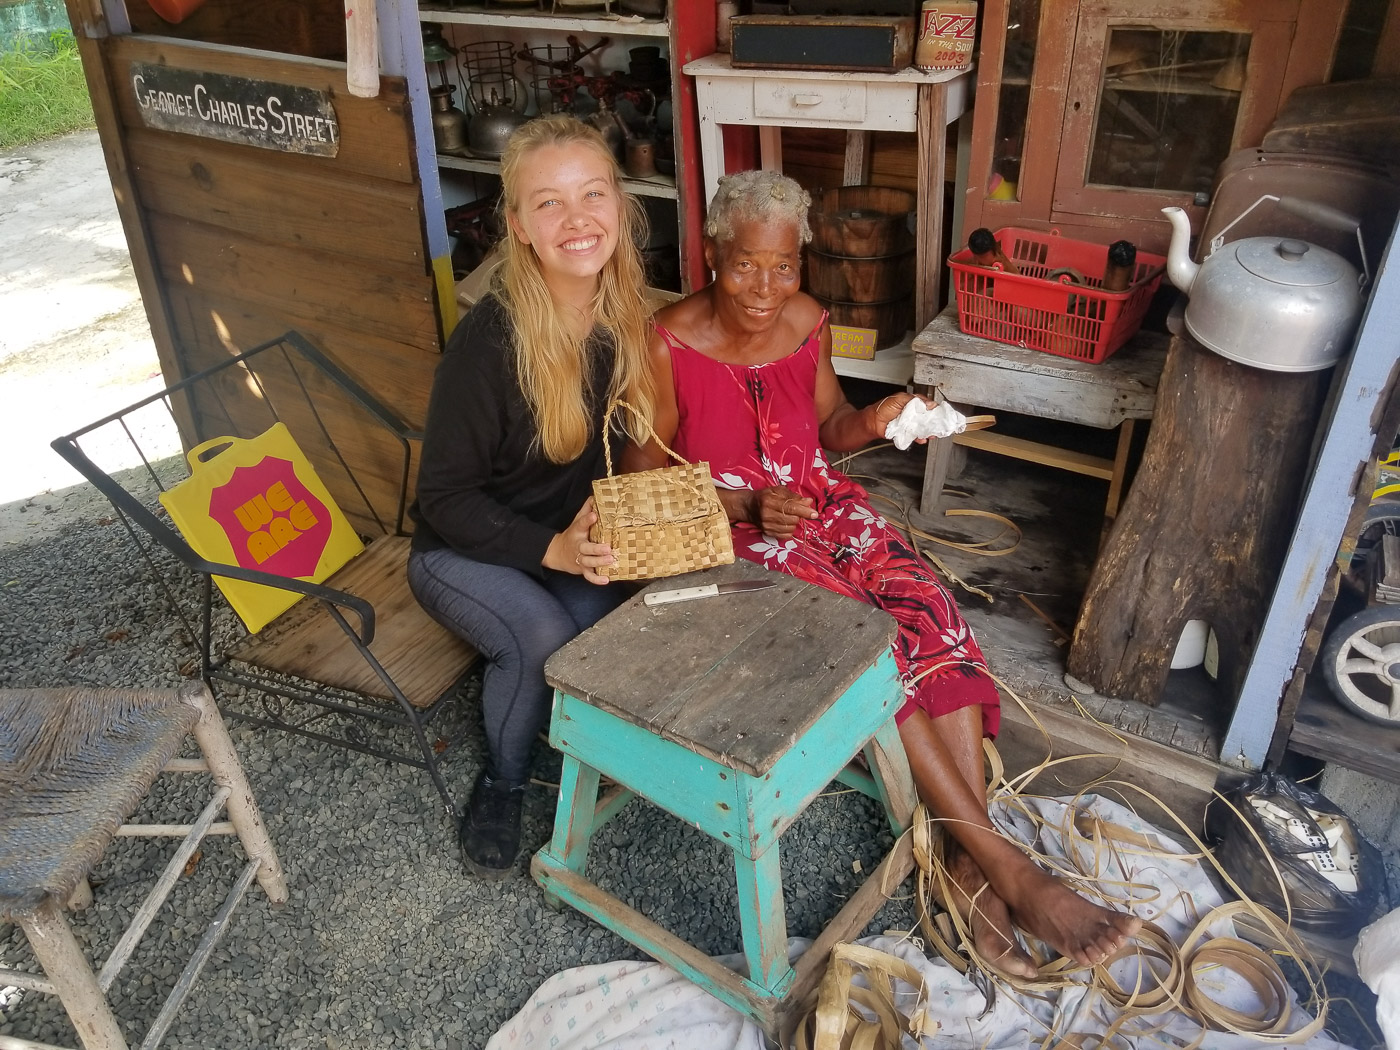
[987,252]
[1122,260]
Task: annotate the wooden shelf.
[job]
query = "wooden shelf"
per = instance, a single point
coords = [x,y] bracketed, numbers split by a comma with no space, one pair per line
[514,17]
[1325,729]
[1148,82]
[893,365]
[656,186]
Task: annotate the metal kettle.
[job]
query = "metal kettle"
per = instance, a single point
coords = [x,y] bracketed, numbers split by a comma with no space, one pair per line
[490,128]
[1276,303]
[498,104]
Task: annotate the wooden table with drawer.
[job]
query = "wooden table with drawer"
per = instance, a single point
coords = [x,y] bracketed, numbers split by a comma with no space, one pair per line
[970,370]
[910,100]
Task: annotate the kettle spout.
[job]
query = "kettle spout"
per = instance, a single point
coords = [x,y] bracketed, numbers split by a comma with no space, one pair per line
[1181,271]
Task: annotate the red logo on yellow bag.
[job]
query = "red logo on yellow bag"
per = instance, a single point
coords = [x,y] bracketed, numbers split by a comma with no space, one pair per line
[258,504]
[272,521]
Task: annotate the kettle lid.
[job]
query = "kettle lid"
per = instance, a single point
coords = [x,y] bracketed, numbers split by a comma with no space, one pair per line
[1292,262]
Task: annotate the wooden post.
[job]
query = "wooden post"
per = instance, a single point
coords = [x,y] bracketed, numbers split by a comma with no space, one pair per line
[361,48]
[856,170]
[92,19]
[933,163]
[1204,529]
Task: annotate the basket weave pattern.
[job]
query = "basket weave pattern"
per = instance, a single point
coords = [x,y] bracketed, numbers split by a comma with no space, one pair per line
[660,522]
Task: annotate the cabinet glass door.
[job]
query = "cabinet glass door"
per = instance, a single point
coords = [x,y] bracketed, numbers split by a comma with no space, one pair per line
[1155,104]
[1168,102]
[1013,98]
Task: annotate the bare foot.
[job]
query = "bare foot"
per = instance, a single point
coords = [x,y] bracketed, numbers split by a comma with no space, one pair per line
[993,936]
[1047,908]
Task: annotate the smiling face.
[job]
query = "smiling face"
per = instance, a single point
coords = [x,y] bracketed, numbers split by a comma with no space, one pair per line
[756,272]
[568,210]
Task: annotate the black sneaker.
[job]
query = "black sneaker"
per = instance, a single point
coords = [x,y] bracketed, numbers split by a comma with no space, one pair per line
[490,829]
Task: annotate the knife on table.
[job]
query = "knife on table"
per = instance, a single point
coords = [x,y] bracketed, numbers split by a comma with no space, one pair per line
[685,594]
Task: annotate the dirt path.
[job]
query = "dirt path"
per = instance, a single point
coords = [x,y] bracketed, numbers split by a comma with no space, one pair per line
[75,343]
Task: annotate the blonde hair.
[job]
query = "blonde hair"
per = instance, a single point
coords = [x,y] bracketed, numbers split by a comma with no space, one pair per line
[551,357]
[767,196]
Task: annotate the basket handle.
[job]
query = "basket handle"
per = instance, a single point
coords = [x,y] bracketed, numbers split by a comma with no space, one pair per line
[607,428]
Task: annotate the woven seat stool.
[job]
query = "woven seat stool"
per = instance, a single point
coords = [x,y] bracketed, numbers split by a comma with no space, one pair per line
[731,713]
[74,765]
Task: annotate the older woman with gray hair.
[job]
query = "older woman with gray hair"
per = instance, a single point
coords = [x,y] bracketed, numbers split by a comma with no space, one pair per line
[744,381]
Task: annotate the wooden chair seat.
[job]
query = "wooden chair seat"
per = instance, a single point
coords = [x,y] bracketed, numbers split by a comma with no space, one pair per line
[75,763]
[419,654]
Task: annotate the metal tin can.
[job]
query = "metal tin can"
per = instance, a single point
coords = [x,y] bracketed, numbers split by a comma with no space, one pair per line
[947,31]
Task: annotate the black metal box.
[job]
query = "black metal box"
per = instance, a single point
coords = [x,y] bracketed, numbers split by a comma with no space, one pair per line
[847,44]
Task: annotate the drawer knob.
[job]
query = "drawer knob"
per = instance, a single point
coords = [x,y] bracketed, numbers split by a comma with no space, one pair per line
[810,99]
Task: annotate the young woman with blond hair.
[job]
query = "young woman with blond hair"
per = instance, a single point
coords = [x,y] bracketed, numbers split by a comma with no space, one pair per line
[514,438]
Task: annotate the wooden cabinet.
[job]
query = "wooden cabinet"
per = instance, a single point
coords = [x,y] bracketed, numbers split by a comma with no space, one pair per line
[1093,115]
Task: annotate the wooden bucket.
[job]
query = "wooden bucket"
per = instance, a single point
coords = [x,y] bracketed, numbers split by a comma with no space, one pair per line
[855,279]
[862,221]
[889,319]
[860,264]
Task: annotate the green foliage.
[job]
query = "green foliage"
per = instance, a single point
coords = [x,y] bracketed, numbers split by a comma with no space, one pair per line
[42,90]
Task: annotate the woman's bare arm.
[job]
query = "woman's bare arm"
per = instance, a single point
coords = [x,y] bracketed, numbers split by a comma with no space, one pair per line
[845,428]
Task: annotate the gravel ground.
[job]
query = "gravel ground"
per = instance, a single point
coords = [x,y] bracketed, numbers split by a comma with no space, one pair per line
[386,942]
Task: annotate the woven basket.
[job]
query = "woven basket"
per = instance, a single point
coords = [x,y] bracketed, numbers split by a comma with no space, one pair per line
[659,522]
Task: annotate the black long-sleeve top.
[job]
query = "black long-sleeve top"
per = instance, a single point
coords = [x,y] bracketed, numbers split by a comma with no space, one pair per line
[484,489]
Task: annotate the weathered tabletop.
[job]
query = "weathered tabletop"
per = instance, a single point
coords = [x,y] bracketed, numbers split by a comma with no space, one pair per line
[978,371]
[736,677]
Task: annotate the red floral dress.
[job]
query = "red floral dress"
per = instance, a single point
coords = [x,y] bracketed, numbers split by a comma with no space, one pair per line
[757,426]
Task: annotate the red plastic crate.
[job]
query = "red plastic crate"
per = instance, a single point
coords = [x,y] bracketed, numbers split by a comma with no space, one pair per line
[1052,313]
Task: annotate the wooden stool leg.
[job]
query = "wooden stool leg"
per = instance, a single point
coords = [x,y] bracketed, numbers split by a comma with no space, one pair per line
[66,966]
[940,455]
[1120,467]
[885,754]
[763,920]
[227,771]
[576,816]
[81,897]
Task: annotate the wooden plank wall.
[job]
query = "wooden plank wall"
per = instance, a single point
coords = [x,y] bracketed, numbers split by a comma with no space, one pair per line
[247,243]
[815,158]
[313,28]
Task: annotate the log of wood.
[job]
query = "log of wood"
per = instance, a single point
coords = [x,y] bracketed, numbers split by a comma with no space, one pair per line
[1205,527]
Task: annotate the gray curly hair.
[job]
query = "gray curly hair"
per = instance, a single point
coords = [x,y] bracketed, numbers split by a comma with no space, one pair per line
[765,195]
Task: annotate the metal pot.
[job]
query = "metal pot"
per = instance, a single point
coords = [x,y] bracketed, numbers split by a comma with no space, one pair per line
[1271,302]
[490,128]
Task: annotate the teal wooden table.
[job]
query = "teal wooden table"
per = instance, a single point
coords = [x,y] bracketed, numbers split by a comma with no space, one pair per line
[731,713]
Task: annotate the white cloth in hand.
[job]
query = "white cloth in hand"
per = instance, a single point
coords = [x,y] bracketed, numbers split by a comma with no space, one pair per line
[919,421]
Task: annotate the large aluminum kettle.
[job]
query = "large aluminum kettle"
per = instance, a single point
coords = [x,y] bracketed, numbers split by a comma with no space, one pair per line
[1276,303]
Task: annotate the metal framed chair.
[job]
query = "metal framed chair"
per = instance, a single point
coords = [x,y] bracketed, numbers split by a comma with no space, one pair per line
[74,765]
[356,651]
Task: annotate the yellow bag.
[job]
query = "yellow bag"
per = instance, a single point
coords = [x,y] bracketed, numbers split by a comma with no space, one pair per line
[257,503]
[659,522]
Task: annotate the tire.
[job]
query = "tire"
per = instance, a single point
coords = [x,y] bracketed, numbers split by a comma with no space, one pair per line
[1361,662]
[1382,516]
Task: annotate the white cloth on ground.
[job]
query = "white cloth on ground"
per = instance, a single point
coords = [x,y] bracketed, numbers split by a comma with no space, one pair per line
[919,421]
[1377,955]
[647,1006]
